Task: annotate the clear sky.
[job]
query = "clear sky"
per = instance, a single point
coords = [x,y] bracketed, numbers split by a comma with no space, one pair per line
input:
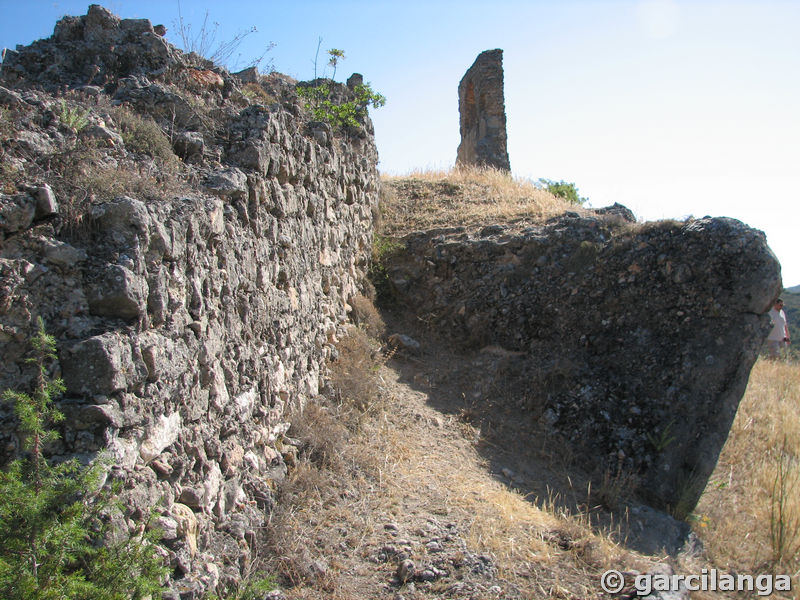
[672,108]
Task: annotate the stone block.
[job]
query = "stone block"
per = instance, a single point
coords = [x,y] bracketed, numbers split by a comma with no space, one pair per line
[16,212]
[118,293]
[162,433]
[100,365]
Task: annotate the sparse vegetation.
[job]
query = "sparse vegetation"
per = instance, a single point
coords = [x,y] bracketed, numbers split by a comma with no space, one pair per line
[330,480]
[366,316]
[254,589]
[8,174]
[84,174]
[382,248]
[256,93]
[142,135]
[204,42]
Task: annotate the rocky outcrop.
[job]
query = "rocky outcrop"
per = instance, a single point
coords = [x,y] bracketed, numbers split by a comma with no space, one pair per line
[633,342]
[482,110]
[188,325]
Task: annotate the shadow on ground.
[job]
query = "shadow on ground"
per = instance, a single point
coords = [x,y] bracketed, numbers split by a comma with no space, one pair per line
[472,388]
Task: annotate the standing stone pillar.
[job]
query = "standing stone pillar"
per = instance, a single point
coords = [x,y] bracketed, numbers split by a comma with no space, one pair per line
[482,108]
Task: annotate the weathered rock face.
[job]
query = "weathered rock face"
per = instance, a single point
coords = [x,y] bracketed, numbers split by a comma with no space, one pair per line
[635,341]
[187,327]
[482,110]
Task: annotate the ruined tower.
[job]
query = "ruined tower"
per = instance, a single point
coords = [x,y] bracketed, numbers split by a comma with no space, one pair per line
[482,110]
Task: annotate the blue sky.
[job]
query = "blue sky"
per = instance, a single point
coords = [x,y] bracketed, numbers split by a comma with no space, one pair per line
[671,108]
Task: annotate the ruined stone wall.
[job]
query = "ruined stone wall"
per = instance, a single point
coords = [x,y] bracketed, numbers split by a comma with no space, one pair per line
[631,342]
[187,327]
[482,111]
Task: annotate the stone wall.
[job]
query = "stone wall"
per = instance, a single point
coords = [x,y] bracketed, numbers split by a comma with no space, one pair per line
[187,327]
[631,342]
[482,110]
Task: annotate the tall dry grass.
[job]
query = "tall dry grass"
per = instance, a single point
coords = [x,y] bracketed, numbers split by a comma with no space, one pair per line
[749,515]
[465,196]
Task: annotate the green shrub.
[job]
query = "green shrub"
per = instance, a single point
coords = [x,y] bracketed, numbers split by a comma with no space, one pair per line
[340,114]
[562,189]
[52,523]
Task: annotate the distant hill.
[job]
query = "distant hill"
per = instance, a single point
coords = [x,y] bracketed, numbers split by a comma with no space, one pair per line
[793,290]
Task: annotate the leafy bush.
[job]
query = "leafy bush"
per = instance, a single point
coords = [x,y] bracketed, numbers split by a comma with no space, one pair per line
[51,515]
[340,114]
[562,189]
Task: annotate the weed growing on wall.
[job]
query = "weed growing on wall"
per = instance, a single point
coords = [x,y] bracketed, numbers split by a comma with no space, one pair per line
[204,42]
[74,118]
[336,55]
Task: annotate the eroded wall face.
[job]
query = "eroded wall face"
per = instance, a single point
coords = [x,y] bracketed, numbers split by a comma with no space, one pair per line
[632,343]
[481,107]
[187,327]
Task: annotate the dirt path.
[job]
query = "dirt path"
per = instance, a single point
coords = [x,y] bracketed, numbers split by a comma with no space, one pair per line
[450,507]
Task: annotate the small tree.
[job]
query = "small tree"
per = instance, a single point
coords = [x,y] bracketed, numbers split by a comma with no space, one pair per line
[51,525]
[336,55]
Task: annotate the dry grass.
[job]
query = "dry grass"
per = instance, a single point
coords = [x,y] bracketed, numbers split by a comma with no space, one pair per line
[87,174]
[462,197]
[545,550]
[142,135]
[365,315]
[326,502]
[749,515]
[256,93]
